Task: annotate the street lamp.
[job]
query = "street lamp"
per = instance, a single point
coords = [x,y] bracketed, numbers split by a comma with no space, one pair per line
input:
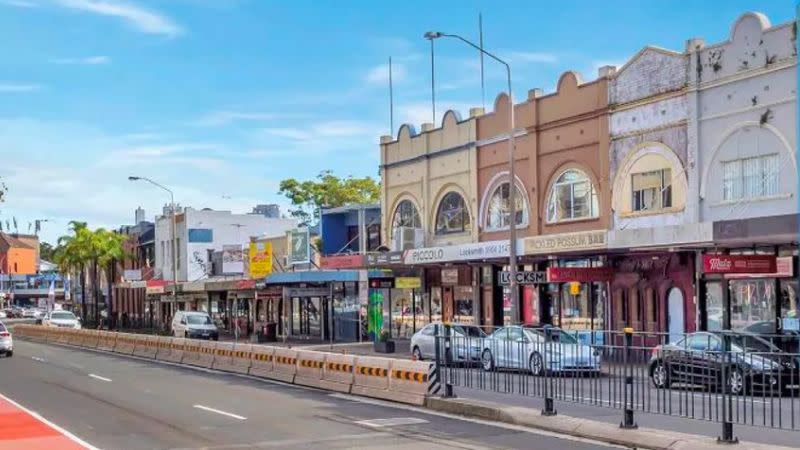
[512,187]
[174,232]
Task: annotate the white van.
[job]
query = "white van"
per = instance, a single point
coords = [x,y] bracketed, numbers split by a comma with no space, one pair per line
[194,325]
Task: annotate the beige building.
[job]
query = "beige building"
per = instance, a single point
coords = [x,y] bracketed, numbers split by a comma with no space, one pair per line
[429,194]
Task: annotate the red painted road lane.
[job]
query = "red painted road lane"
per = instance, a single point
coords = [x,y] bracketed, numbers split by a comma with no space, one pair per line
[23,429]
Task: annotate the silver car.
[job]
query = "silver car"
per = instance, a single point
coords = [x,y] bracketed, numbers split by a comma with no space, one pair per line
[539,351]
[6,343]
[465,340]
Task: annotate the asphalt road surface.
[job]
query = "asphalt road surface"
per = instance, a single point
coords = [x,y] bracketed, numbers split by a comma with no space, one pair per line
[121,403]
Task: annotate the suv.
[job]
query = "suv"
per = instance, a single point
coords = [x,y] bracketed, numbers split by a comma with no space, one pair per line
[6,344]
[194,324]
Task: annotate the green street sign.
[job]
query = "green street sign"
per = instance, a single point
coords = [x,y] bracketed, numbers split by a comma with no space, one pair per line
[299,246]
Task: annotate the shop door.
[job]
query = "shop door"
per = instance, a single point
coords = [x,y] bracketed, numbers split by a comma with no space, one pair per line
[675,314]
[447,300]
[310,317]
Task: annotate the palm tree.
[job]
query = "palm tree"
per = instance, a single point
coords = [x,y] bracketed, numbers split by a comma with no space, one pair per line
[109,250]
[72,255]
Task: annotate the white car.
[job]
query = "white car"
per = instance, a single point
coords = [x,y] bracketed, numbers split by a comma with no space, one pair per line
[28,313]
[6,343]
[466,340]
[539,351]
[3,314]
[194,325]
[62,319]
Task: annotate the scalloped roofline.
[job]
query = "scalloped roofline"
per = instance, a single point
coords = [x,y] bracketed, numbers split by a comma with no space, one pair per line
[766,27]
[412,131]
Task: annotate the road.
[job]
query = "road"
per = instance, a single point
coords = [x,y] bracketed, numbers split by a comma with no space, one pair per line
[114,402]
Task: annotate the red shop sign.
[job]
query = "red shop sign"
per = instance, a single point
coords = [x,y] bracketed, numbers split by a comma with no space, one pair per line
[342,262]
[739,264]
[579,274]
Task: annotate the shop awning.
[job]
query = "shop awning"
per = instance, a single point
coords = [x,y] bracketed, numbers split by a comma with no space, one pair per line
[315,276]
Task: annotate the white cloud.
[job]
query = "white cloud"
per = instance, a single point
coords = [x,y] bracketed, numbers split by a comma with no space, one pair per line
[323,130]
[19,87]
[87,61]
[417,113]
[380,74]
[144,20]
[19,3]
[224,117]
[520,57]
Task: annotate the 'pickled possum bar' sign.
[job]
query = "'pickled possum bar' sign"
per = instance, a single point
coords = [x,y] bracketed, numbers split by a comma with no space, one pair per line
[739,264]
[566,242]
[465,252]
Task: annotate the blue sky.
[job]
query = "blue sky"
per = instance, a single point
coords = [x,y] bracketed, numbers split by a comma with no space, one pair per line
[221,99]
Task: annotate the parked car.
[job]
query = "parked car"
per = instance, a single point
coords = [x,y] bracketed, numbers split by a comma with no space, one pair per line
[194,325]
[3,314]
[540,350]
[699,359]
[28,313]
[465,340]
[62,319]
[786,340]
[6,342]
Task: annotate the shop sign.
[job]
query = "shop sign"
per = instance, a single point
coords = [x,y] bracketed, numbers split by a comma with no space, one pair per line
[762,264]
[244,284]
[307,292]
[259,257]
[481,250]
[524,277]
[449,276]
[342,262]
[382,259]
[299,247]
[566,242]
[784,268]
[381,283]
[579,274]
[132,274]
[407,283]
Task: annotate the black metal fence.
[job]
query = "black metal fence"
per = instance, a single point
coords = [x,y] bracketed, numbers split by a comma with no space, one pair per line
[726,377]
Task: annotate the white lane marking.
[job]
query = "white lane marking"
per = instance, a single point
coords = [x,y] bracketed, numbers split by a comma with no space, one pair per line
[393,422]
[206,408]
[38,417]
[98,377]
[36,358]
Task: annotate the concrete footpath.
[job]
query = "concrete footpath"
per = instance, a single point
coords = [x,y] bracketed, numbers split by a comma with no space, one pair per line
[647,438]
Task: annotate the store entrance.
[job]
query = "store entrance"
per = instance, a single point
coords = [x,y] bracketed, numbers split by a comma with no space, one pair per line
[310,317]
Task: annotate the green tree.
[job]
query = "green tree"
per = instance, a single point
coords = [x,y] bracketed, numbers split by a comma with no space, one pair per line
[46,251]
[72,256]
[327,191]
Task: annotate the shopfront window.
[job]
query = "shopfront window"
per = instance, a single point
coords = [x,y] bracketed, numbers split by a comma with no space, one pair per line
[436,304]
[790,310]
[714,306]
[464,305]
[423,307]
[580,309]
[753,304]
[402,313]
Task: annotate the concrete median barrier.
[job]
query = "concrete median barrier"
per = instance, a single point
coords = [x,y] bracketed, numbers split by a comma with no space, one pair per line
[261,361]
[50,334]
[371,377]
[338,374]
[125,343]
[106,341]
[145,346]
[192,354]
[408,382]
[284,365]
[223,356]
[62,337]
[310,368]
[90,338]
[242,358]
[75,337]
[207,349]
[162,344]
[174,350]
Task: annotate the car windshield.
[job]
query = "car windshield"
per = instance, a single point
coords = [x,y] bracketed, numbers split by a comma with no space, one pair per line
[62,316]
[473,332]
[556,335]
[754,344]
[197,319]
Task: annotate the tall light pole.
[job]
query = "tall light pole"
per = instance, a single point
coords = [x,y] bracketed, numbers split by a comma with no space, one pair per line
[174,233]
[512,186]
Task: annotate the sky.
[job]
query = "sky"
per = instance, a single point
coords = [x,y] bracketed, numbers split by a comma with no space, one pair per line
[222,99]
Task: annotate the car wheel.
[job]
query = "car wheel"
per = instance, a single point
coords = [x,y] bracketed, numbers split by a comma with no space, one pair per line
[660,375]
[186,335]
[536,365]
[487,361]
[9,354]
[736,382]
[417,354]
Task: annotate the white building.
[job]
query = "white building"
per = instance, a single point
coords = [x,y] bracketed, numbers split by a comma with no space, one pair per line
[201,232]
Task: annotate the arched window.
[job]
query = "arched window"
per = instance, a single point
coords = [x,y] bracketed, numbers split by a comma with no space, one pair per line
[498,210]
[406,215]
[572,197]
[452,216]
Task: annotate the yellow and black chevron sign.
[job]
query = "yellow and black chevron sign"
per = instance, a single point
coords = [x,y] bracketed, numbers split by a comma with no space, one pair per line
[285,360]
[340,367]
[311,364]
[408,375]
[262,357]
[372,371]
[241,355]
